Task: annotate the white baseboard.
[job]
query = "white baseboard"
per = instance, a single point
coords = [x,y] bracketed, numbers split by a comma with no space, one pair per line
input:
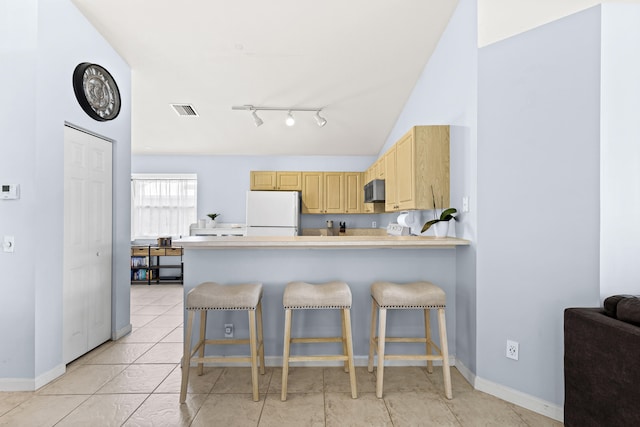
[49,376]
[31,384]
[519,398]
[115,336]
[466,373]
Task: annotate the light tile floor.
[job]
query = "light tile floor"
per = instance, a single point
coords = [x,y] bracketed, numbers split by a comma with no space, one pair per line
[135,381]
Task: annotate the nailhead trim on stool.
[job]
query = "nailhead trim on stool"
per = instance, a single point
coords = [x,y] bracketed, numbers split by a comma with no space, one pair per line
[416,295]
[332,295]
[213,296]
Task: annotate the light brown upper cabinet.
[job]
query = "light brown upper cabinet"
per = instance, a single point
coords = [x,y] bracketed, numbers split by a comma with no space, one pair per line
[334,200]
[379,168]
[353,192]
[390,182]
[417,170]
[323,192]
[376,170]
[276,180]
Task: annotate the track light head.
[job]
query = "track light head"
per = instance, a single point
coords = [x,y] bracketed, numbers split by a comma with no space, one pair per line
[256,120]
[321,121]
[290,120]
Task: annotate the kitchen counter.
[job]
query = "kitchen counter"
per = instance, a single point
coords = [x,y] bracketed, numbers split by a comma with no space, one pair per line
[357,260]
[315,242]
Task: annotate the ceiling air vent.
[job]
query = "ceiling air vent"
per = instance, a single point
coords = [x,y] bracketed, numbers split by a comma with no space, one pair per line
[184,110]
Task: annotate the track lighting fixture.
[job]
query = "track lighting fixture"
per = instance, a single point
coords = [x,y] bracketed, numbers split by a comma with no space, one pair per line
[289,120]
[321,121]
[256,120]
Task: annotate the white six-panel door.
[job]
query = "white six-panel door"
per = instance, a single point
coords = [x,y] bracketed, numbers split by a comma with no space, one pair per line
[87,242]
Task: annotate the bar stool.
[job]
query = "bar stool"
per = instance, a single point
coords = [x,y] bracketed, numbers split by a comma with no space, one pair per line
[213,296]
[332,295]
[416,295]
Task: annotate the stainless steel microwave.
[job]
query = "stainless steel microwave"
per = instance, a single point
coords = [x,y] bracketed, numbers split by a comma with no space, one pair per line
[374,191]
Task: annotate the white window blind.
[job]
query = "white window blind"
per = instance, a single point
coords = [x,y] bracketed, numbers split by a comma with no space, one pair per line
[162,205]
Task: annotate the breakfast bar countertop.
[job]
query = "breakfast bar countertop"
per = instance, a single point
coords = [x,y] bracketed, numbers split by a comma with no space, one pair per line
[306,242]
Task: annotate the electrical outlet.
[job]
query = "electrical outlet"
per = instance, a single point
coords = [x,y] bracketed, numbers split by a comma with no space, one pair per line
[374,224]
[228,330]
[512,349]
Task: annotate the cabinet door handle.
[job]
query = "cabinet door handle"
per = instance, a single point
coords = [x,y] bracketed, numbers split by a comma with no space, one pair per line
[98,253]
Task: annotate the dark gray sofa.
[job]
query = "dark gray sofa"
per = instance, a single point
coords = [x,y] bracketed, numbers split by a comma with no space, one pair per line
[602,364]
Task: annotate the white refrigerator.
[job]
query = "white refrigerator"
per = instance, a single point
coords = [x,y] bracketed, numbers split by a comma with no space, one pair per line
[273,213]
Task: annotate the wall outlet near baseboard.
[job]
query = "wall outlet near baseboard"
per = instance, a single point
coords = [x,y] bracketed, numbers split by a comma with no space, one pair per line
[512,349]
[228,330]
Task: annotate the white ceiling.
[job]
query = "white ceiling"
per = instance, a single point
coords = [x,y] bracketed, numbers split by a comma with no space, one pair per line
[358,60]
[499,19]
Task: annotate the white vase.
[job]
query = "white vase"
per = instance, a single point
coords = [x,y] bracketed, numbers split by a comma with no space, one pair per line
[211,223]
[441,228]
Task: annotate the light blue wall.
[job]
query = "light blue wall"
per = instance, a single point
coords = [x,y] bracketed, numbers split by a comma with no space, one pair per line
[19,59]
[47,40]
[446,93]
[620,151]
[538,198]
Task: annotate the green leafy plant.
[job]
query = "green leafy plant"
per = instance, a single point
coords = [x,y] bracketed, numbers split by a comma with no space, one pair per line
[445,215]
[213,216]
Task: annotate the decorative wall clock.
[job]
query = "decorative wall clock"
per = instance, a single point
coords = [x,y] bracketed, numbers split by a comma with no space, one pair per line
[96,91]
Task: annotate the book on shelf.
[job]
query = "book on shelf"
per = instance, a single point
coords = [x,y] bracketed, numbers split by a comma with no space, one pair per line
[141,274]
[139,261]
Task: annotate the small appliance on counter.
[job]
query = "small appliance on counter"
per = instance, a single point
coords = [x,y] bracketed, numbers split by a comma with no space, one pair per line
[394,229]
[330,230]
[273,213]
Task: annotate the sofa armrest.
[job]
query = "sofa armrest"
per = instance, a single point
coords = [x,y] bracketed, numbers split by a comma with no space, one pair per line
[601,369]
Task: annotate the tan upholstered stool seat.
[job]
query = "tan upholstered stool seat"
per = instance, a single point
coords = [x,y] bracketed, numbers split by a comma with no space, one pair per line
[213,296]
[423,296]
[327,295]
[410,295]
[331,295]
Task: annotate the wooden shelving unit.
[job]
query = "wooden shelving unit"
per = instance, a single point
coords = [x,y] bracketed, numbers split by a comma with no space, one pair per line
[149,267]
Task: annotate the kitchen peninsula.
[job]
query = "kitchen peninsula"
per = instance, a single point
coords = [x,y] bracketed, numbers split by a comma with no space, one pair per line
[357,260]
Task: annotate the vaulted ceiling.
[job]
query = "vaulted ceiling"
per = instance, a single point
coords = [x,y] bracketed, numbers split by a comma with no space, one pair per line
[357,60]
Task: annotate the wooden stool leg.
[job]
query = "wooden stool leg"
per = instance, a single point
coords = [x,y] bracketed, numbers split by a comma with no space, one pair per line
[382,327]
[260,337]
[346,315]
[254,354]
[186,357]
[372,334]
[445,353]
[427,334]
[344,340]
[285,355]
[203,335]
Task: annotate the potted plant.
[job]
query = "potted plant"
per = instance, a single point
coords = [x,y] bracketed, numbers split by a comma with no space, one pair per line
[440,222]
[213,216]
